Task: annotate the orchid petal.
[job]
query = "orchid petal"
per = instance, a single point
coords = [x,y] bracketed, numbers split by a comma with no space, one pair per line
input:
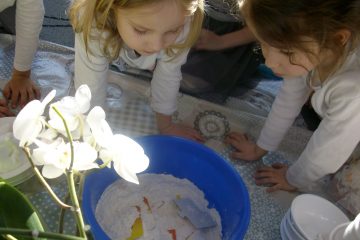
[83,97]
[85,156]
[29,122]
[99,126]
[125,173]
[49,97]
[106,156]
[38,156]
[128,157]
[50,171]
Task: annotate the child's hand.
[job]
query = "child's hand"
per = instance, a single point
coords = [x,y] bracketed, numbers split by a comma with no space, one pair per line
[245,148]
[4,110]
[182,131]
[20,89]
[274,175]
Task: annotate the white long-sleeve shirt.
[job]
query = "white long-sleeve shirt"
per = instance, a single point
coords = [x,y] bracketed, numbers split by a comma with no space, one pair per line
[28,22]
[337,101]
[92,69]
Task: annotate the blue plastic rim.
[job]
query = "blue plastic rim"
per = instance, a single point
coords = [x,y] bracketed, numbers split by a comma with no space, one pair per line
[222,185]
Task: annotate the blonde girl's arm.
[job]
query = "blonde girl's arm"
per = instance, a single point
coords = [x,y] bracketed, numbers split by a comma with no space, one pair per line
[334,140]
[91,68]
[165,86]
[286,107]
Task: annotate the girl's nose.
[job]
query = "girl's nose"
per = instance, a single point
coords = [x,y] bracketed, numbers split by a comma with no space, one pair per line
[157,44]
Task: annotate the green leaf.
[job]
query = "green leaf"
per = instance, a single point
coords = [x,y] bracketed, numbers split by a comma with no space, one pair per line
[16,211]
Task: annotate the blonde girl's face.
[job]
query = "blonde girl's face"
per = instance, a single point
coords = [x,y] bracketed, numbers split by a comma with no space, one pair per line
[151,28]
[290,63]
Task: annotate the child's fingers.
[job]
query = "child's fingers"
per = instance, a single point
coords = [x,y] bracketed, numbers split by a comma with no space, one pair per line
[7,92]
[260,174]
[278,165]
[37,92]
[240,143]
[3,102]
[14,99]
[236,136]
[5,112]
[239,156]
[273,188]
[24,96]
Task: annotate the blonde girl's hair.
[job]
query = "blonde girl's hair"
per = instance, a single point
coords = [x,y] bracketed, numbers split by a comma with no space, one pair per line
[87,15]
[284,24]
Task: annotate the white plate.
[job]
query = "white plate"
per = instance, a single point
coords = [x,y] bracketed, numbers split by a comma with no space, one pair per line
[313,215]
[14,170]
[283,233]
[293,232]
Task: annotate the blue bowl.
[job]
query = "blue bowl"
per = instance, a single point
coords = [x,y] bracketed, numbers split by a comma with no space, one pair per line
[222,185]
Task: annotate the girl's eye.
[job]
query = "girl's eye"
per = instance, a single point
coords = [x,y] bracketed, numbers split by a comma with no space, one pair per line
[140,32]
[174,31]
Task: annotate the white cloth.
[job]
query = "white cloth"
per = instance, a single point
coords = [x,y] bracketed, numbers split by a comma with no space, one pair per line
[28,21]
[92,68]
[337,101]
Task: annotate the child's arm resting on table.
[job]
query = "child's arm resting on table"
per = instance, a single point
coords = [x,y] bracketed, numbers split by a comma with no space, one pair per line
[29,17]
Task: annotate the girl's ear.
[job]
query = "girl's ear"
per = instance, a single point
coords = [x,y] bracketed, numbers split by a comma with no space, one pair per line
[342,36]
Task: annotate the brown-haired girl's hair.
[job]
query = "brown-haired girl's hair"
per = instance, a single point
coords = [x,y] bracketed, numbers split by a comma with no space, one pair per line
[284,24]
[99,15]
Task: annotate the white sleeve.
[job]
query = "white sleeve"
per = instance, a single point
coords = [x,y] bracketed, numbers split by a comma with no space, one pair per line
[332,143]
[165,84]
[91,68]
[286,107]
[167,76]
[28,22]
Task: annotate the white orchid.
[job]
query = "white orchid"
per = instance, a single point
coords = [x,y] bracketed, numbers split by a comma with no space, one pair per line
[56,158]
[29,123]
[100,129]
[128,159]
[73,110]
[54,153]
[70,142]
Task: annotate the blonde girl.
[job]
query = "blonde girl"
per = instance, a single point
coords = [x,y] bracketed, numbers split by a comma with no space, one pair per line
[314,46]
[155,35]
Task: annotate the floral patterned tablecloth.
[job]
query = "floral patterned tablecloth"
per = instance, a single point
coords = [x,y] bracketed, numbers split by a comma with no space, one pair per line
[128,112]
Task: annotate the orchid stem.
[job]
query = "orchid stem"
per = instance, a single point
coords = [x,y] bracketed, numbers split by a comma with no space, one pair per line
[36,234]
[71,183]
[62,215]
[43,181]
[9,237]
[77,211]
[69,137]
